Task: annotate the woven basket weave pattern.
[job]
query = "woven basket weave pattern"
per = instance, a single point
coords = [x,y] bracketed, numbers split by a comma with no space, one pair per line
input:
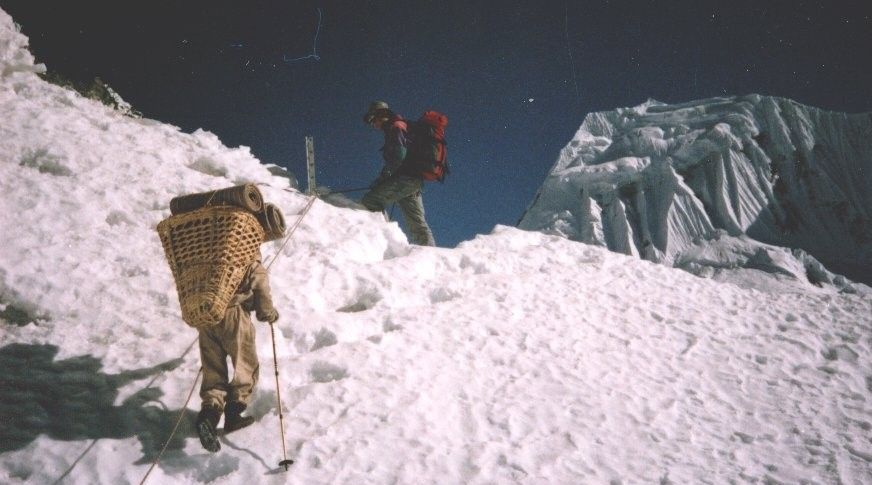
[208,251]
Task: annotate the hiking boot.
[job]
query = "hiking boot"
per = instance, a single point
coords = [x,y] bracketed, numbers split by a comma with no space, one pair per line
[207,428]
[233,418]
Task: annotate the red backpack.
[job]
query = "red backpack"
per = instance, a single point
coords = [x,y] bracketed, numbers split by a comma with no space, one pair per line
[427,150]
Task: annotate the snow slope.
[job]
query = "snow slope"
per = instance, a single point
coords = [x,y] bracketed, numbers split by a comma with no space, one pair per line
[518,357]
[731,177]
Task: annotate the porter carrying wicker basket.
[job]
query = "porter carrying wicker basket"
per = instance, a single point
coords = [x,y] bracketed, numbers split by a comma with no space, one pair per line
[209,251]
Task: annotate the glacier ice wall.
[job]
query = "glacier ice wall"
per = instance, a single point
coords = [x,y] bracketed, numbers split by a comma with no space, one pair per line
[663,181]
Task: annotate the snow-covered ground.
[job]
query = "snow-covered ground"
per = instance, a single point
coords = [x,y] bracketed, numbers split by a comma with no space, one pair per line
[715,186]
[518,357]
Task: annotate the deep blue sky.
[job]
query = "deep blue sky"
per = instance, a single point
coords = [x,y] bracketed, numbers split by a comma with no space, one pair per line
[515,78]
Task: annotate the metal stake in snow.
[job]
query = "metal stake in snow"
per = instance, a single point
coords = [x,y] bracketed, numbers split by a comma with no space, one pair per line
[310,164]
[285,462]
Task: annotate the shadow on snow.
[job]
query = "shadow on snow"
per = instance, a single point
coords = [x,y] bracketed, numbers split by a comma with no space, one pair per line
[73,400]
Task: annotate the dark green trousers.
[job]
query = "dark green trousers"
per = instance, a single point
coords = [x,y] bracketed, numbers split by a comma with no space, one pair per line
[406,192]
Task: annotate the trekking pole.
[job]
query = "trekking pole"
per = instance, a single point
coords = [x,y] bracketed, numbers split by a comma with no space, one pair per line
[285,462]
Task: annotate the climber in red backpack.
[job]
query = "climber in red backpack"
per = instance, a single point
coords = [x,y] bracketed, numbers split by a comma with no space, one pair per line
[413,152]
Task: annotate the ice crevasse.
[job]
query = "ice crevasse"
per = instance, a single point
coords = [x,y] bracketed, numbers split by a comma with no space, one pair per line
[717,184]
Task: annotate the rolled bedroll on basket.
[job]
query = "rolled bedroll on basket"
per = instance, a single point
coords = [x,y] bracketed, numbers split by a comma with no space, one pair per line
[273,222]
[247,197]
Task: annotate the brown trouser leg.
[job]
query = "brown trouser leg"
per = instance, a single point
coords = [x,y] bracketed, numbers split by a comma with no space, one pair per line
[232,337]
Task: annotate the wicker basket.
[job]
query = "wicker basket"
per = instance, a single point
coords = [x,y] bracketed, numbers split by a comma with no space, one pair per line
[209,251]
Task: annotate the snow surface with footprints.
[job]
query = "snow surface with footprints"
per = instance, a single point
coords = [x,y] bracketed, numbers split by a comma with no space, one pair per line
[516,357]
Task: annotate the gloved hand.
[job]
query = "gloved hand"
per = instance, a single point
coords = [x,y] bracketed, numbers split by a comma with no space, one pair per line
[269,317]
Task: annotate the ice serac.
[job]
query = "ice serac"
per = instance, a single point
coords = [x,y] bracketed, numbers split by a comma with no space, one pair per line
[716,184]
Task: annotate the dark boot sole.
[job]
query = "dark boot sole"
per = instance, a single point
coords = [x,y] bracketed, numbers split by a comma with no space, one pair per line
[237,425]
[208,436]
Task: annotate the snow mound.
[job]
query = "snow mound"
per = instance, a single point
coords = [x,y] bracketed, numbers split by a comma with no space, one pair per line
[14,54]
[518,357]
[658,181]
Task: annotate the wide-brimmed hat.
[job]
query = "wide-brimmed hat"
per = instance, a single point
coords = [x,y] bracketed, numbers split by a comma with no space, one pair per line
[376,108]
